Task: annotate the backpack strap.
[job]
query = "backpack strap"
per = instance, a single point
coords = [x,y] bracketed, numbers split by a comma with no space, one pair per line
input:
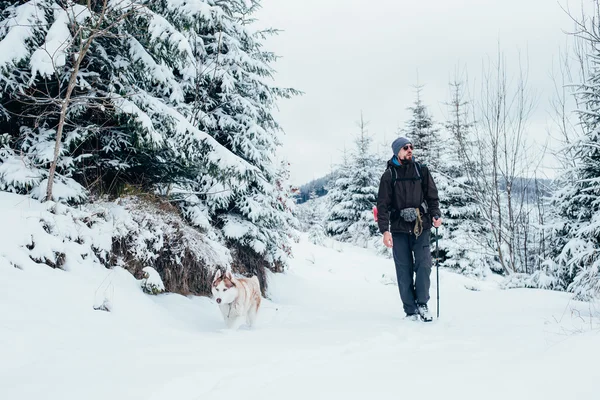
[423,183]
[395,178]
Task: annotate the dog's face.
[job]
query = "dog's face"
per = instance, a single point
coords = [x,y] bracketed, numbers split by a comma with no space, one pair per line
[223,288]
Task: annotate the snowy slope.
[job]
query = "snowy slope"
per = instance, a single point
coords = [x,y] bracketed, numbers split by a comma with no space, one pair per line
[332,328]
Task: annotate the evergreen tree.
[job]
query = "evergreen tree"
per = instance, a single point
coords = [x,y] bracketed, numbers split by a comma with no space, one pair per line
[252,209]
[463,242]
[556,272]
[170,96]
[340,217]
[126,113]
[311,214]
[313,219]
[351,218]
[576,264]
[422,131]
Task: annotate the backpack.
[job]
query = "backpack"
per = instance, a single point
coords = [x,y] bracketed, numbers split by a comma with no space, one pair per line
[395,179]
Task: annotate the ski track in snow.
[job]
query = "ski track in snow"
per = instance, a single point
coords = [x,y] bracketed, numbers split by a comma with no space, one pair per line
[333,327]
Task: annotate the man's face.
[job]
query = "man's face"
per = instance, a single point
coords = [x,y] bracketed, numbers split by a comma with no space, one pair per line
[406,152]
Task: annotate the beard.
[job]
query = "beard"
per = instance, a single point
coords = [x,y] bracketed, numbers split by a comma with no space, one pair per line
[407,159]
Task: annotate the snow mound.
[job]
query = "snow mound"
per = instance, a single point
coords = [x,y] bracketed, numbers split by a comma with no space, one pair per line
[152,283]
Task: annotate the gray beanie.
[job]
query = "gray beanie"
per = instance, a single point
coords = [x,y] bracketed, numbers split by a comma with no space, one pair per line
[398,144]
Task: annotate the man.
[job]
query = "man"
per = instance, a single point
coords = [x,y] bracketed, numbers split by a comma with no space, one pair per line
[408,205]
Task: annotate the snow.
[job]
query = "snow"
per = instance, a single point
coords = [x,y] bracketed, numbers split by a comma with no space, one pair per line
[152,283]
[127,107]
[19,28]
[14,173]
[237,228]
[51,56]
[159,73]
[185,135]
[193,8]
[332,327]
[63,189]
[41,231]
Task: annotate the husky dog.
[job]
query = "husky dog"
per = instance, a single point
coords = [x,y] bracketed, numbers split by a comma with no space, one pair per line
[238,298]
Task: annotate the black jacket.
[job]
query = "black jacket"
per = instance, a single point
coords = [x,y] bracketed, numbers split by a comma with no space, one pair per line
[409,192]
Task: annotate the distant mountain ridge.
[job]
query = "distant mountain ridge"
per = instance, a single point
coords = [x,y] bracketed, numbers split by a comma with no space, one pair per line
[319,185]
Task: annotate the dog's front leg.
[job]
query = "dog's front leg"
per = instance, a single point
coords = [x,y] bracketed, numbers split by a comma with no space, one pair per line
[234,322]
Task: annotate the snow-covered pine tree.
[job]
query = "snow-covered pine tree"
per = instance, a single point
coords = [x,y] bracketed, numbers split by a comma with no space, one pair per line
[253,207]
[422,130]
[307,212]
[555,272]
[313,218]
[286,205]
[576,262]
[463,237]
[364,187]
[170,95]
[126,117]
[339,217]
[351,219]
[36,44]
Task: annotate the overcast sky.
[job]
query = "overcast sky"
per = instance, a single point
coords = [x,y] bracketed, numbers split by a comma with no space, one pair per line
[350,56]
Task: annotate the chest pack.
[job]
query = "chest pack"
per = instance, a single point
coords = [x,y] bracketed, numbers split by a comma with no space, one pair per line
[419,177]
[394,179]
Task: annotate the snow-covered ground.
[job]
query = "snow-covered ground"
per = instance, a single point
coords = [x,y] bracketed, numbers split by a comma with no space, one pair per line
[332,328]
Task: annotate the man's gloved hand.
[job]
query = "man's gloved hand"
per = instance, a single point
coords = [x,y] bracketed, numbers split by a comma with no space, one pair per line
[387,240]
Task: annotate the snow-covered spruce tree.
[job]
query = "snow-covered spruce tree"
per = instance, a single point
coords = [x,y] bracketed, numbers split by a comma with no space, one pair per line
[170,95]
[124,103]
[351,218]
[339,219]
[555,272]
[307,212]
[576,263]
[463,237]
[36,46]
[312,215]
[316,233]
[253,209]
[570,210]
[422,130]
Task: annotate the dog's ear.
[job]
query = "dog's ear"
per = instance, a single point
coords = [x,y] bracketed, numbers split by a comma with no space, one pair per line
[217,275]
[228,275]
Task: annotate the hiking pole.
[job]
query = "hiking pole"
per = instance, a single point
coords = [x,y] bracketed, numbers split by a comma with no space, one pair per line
[437,271]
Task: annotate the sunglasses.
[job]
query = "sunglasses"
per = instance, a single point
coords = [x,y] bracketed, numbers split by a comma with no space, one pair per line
[408,146]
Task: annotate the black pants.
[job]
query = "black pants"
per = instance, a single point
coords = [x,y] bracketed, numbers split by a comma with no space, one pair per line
[413,272]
